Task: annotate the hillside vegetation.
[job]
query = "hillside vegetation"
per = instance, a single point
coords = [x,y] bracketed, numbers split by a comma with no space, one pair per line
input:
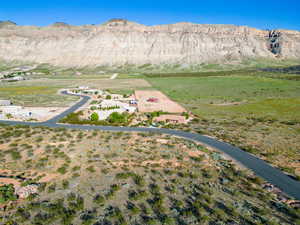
[93,177]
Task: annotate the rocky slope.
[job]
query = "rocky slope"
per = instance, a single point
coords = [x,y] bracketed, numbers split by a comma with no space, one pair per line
[119,42]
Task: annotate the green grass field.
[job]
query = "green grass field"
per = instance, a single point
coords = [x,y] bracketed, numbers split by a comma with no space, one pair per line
[260,96]
[266,120]
[35,96]
[44,92]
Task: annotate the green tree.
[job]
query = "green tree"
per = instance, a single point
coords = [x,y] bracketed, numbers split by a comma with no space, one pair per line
[116,117]
[94,116]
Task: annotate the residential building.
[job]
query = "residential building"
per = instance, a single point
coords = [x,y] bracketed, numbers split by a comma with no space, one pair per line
[5,102]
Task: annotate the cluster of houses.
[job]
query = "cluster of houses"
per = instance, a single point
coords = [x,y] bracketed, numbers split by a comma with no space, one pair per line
[8,111]
[104,103]
[106,107]
[17,74]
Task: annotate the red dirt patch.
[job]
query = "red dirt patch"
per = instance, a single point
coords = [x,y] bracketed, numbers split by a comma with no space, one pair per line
[163,103]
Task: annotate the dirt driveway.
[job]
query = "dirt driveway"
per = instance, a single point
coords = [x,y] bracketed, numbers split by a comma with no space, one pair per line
[151,101]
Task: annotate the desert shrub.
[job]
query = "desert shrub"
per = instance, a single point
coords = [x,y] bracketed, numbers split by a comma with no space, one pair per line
[137,195]
[52,188]
[65,184]
[15,155]
[62,170]
[71,196]
[76,168]
[91,169]
[115,187]
[22,214]
[197,158]
[154,188]
[123,175]
[76,203]
[74,175]
[105,170]
[99,200]
[168,220]
[134,210]
[7,193]
[138,180]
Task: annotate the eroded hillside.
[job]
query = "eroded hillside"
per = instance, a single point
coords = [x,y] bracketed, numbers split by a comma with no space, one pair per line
[120,42]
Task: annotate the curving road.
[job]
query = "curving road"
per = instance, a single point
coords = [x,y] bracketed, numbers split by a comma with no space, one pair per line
[258,166]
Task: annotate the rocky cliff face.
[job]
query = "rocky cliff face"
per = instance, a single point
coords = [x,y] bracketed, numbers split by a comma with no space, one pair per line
[120,42]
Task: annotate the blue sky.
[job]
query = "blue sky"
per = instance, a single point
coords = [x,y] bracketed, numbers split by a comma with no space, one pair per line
[264,14]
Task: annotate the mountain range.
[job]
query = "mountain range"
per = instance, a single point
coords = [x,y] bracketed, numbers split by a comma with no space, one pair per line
[121,42]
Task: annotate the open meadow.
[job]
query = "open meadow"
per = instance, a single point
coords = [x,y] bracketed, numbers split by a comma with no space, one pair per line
[260,114]
[44,92]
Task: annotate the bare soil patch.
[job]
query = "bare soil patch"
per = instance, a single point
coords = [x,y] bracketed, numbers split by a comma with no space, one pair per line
[160,102]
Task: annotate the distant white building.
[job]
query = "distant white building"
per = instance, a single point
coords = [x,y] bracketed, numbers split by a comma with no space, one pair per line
[18,78]
[83,87]
[121,105]
[5,102]
[22,113]
[116,96]
[10,109]
[110,103]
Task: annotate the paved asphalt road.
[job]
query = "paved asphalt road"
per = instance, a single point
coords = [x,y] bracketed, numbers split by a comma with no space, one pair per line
[258,166]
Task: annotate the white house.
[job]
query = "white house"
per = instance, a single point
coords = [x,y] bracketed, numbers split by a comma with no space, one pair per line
[112,103]
[11,109]
[83,87]
[121,107]
[5,102]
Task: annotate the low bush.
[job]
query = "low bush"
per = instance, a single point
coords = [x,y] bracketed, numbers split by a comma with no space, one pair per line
[7,193]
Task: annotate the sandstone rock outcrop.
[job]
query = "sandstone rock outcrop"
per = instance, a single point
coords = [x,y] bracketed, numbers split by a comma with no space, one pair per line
[120,42]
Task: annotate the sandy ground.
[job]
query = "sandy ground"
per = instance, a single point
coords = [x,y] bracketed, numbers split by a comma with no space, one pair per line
[15,182]
[48,112]
[163,104]
[38,113]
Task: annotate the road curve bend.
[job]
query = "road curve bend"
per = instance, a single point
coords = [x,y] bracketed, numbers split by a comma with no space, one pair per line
[262,169]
